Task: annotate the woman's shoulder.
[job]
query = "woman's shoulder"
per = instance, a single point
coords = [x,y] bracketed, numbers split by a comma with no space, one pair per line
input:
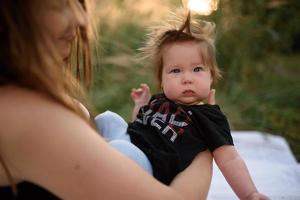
[27,115]
[14,101]
[20,106]
[25,111]
[17,96]
[14,98]
[17,106]
[34,134]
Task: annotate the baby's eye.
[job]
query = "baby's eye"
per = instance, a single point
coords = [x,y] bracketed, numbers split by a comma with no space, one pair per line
[198,69]
[176,70]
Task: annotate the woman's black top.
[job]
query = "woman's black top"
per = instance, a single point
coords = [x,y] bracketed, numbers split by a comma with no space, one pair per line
[26,191]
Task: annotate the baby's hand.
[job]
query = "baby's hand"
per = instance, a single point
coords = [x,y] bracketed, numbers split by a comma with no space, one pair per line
[257,196]
[142,95]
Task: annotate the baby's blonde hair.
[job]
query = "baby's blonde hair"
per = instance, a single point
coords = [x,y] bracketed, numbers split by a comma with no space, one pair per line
[181,28]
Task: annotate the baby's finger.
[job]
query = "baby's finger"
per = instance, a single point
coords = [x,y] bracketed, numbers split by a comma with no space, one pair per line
[144,86]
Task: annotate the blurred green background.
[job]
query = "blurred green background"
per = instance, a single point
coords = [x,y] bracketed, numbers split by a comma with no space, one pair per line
[258,50]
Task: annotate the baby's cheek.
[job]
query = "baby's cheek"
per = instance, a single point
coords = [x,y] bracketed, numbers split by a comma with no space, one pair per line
[205,91]
[170,92]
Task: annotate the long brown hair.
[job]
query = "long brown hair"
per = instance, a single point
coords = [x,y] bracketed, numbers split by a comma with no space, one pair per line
[29,60]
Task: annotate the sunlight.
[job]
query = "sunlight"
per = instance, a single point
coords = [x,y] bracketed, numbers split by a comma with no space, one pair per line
[203,7]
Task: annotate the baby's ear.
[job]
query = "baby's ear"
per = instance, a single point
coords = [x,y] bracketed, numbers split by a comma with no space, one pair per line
[211,97]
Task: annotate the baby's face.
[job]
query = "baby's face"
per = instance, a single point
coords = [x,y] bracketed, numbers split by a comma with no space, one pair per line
[185,79]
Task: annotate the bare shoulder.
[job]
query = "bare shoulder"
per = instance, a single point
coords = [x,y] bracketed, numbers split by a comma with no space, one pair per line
[32,127]
[45,143]
[15,103]
[23,110]
[13,98]
[18,118]
[26,114]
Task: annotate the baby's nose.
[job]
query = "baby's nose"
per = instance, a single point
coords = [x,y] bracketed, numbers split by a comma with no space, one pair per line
[186,79]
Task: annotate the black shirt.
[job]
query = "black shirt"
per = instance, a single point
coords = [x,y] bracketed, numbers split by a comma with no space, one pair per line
[171,135]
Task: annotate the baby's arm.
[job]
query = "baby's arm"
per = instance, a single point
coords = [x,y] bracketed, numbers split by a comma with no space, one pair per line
[140,97]
[236,173]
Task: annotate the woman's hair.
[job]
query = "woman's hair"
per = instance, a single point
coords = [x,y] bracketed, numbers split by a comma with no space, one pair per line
[29,60]
[181,28]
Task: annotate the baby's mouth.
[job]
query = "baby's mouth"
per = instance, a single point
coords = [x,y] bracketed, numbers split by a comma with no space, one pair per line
[188,93]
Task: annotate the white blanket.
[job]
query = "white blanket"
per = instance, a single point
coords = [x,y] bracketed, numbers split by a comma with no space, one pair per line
[271,164]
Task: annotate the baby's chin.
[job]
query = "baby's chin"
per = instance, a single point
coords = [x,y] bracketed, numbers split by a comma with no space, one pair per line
[191,102]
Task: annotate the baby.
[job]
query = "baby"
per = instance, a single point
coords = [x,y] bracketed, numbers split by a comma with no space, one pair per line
[171,128]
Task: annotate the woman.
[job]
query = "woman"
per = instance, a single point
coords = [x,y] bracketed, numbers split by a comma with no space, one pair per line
[47,146]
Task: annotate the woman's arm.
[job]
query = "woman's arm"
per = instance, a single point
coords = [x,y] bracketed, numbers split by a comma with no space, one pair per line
[236,173]
[46,144]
